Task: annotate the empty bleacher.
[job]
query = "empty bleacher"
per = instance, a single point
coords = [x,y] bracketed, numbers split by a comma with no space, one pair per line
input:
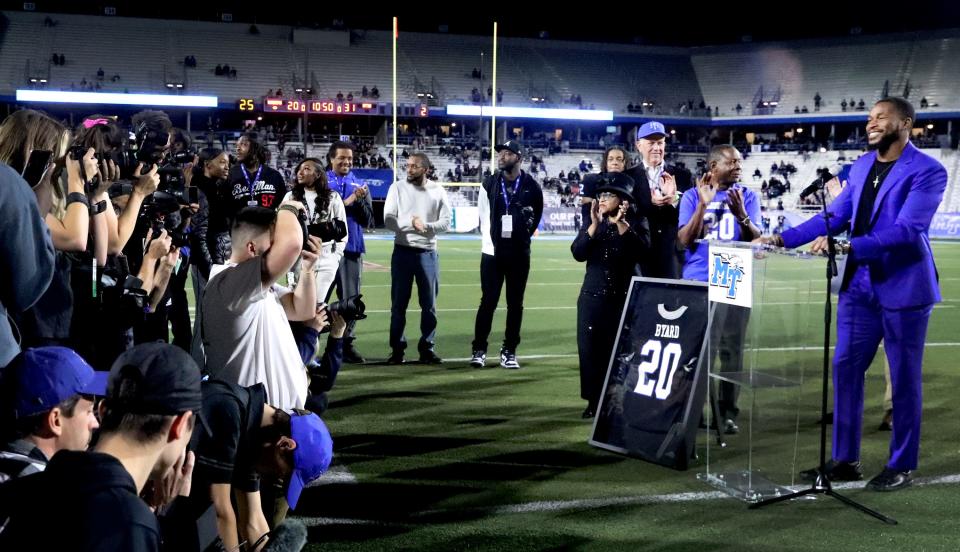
[148,53]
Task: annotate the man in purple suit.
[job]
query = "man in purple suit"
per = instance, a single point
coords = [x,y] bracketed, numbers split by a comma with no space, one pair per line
[888,290]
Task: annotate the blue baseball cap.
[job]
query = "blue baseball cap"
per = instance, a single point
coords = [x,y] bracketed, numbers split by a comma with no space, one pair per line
[311,457]
[650,129]
[39,379]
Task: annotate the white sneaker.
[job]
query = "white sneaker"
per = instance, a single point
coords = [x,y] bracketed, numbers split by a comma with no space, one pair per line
[479,359]
[508,359]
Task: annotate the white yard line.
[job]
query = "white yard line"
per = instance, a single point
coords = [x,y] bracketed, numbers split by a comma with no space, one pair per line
[597,503]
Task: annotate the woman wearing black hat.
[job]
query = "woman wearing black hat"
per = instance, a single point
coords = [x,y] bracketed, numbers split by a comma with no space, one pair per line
[609,245]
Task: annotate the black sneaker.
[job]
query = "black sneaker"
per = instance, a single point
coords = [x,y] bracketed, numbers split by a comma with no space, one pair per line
[508,359]
[890,480]
[430,357]
[395,358]
[479,359]
[836,471]
[351,355]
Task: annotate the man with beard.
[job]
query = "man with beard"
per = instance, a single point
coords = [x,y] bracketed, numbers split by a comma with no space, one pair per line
[359,209]
[888,288]
[416,210]
[252,183]
[511,205]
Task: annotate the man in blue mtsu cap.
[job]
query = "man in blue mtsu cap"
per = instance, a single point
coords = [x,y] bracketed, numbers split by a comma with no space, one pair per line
[656,196]
[244,440]
[47,406]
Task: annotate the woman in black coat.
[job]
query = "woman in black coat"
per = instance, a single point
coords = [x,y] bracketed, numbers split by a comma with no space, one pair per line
[610,246]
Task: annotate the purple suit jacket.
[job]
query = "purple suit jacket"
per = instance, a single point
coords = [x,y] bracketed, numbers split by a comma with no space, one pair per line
[897,248]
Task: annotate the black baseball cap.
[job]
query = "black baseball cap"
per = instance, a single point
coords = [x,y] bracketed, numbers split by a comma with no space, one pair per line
[168,381]
[511,145]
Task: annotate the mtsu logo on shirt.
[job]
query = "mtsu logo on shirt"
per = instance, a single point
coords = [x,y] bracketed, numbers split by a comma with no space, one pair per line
[729,280]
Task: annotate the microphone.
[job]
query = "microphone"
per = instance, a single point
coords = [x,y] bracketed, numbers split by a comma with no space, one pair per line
[817,184]
[289,536]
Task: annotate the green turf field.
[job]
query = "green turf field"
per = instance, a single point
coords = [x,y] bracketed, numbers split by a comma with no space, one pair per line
[452,458]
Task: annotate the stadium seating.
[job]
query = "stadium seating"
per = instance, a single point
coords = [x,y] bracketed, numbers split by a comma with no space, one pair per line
[147,55]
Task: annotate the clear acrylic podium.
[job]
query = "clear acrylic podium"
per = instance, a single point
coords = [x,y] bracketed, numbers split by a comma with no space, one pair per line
[769,357]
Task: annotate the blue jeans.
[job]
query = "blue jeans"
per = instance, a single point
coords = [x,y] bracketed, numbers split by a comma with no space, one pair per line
[407,264]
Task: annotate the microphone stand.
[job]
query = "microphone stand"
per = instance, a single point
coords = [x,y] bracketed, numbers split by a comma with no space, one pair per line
[821,484]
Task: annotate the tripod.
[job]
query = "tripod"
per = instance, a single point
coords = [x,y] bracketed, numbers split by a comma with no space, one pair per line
[821,484]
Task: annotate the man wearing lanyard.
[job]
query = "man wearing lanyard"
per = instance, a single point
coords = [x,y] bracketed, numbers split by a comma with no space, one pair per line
[252,182]
[510,209]
[356,201]
[655,194]
[720,209]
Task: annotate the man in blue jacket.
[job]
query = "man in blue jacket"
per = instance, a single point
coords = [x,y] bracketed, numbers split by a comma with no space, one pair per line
[356,200]
[888,290]
[26,255]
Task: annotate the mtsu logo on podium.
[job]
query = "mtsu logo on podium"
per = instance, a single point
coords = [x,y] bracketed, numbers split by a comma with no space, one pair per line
[730,278]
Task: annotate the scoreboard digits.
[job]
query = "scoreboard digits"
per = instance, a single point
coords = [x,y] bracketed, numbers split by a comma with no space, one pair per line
[323,107]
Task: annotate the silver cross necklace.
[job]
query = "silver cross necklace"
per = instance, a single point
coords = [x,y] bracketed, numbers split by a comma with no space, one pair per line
[876,179]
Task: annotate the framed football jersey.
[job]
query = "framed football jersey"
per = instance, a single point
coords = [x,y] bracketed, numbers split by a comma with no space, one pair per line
[656,381]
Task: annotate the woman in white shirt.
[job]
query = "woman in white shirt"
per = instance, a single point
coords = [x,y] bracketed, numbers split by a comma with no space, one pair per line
[322,205]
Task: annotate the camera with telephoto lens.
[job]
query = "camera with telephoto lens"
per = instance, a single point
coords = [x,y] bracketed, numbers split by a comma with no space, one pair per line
[333,230]
[163,211]
[350,309]
[172,180]
[123,159]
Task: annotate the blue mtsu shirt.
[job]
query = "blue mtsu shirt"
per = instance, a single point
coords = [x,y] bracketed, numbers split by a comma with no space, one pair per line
[719,224]
[346,185]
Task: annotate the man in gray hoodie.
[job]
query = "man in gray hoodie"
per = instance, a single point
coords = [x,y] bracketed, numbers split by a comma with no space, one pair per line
[416,210]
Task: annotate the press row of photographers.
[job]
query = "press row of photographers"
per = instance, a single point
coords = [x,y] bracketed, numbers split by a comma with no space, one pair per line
[119,209]
[120,265]
[89,299]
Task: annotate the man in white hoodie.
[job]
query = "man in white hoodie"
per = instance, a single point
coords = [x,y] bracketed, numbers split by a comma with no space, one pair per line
[416,210]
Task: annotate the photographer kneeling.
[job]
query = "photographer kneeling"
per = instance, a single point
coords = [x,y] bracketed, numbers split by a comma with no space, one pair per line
[322,375]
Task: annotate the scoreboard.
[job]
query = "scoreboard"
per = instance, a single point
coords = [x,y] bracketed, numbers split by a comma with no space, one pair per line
[277,104]
[322,107]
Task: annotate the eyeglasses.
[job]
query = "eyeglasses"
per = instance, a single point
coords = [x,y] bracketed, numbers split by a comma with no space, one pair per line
[604,196]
